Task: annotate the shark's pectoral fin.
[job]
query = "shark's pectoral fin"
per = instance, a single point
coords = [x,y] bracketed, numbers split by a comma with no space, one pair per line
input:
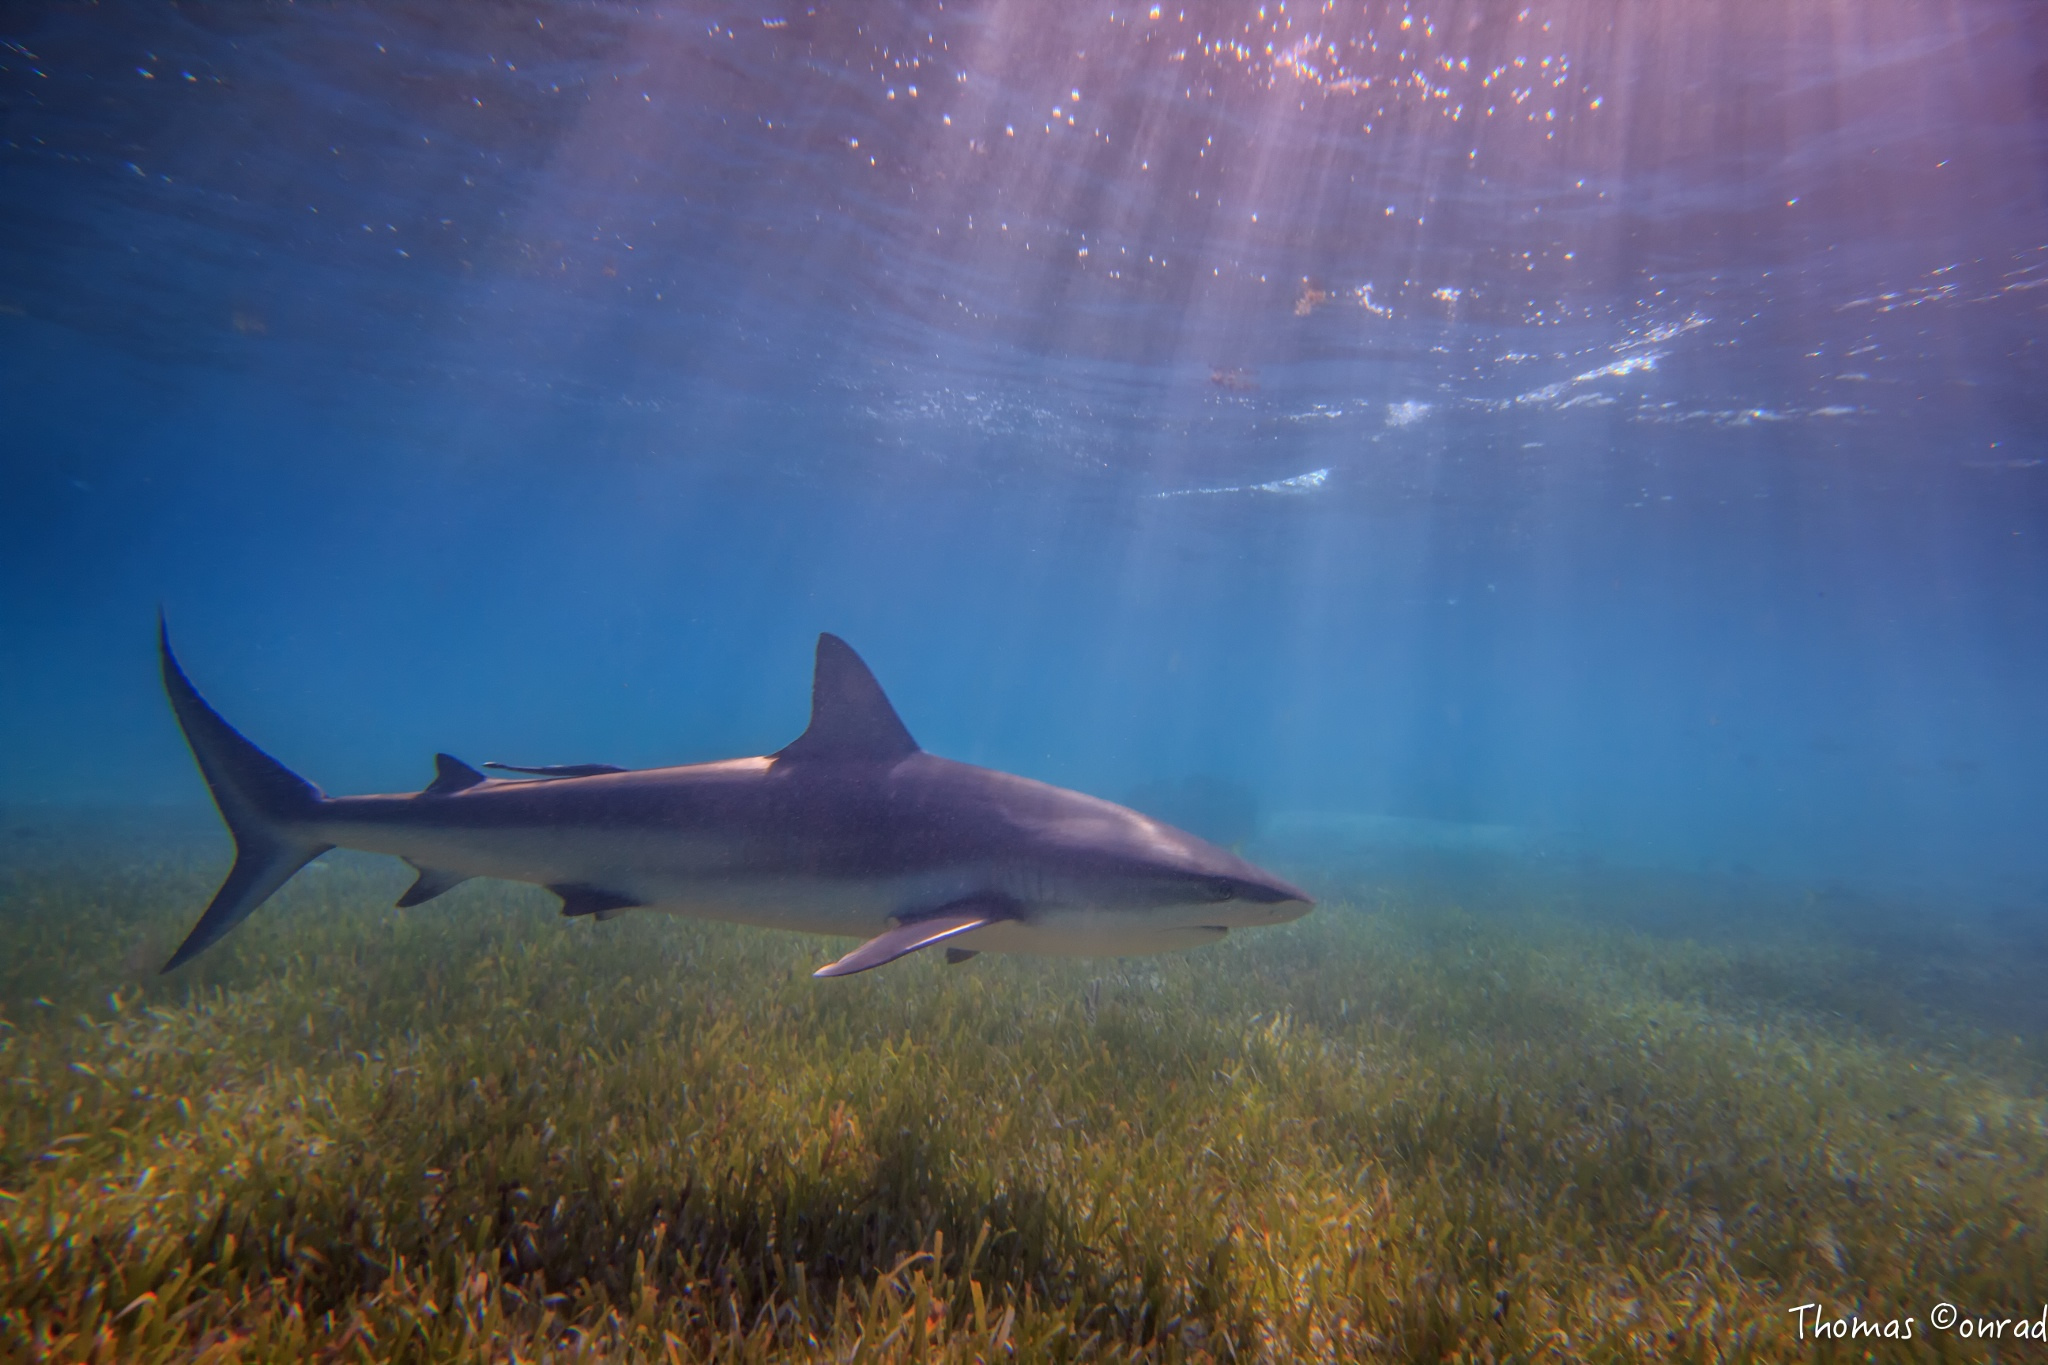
[956,956]
[908,938]
[579,898]
[451,775]
[432,882]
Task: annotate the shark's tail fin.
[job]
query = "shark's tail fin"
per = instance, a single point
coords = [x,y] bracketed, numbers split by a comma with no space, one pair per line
[264,803]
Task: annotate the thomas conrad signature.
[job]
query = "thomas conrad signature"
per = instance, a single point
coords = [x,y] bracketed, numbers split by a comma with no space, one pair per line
[1814,1319]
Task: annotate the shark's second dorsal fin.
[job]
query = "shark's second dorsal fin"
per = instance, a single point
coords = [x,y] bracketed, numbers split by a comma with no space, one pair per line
[451,774]
[555,770]
[851,719]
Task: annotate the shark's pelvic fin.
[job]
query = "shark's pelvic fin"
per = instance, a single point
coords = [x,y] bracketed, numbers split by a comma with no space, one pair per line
[451,775]
[908,938]
[262,801]
[956,956]
[578,898]
[432,882]
[561,769]
[851,718]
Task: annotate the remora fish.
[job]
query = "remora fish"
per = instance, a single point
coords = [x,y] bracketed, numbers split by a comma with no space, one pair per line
[850,830]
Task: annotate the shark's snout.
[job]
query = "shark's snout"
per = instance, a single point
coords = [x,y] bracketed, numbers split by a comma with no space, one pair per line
[1257,897]
[1292,909]
[1273,891]
[1281,902]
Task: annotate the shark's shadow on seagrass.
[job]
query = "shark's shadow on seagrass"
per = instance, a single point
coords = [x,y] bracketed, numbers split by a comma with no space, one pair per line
[761,1238]
[751,1239]
[852,830]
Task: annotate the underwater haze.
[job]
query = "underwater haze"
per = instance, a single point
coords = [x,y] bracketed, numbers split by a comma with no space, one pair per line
[1627,425]
[1566,482]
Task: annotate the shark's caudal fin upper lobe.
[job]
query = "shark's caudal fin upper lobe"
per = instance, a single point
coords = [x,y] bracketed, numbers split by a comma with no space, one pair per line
[262,801]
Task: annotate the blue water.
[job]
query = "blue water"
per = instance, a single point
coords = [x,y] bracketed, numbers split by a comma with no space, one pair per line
[1621,432]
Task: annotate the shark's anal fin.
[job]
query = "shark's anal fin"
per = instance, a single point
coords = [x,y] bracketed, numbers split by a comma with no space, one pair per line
[956,956]
[432,882]
[579,898]
[561,769]
[451,775]
[950,923]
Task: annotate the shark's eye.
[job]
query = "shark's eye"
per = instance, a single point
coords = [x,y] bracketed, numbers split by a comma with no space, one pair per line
[1222,889]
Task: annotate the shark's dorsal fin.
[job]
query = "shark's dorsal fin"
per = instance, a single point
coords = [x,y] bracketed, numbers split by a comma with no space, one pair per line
[451,774]
[851,719]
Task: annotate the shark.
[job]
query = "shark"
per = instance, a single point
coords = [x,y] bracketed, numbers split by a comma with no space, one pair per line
[851,830]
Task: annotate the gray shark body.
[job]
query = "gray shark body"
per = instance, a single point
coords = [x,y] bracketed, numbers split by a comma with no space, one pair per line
[850,830]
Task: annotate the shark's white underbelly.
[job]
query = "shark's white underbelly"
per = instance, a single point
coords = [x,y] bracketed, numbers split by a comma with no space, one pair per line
[863,909]
[1082,933]
[700,880]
